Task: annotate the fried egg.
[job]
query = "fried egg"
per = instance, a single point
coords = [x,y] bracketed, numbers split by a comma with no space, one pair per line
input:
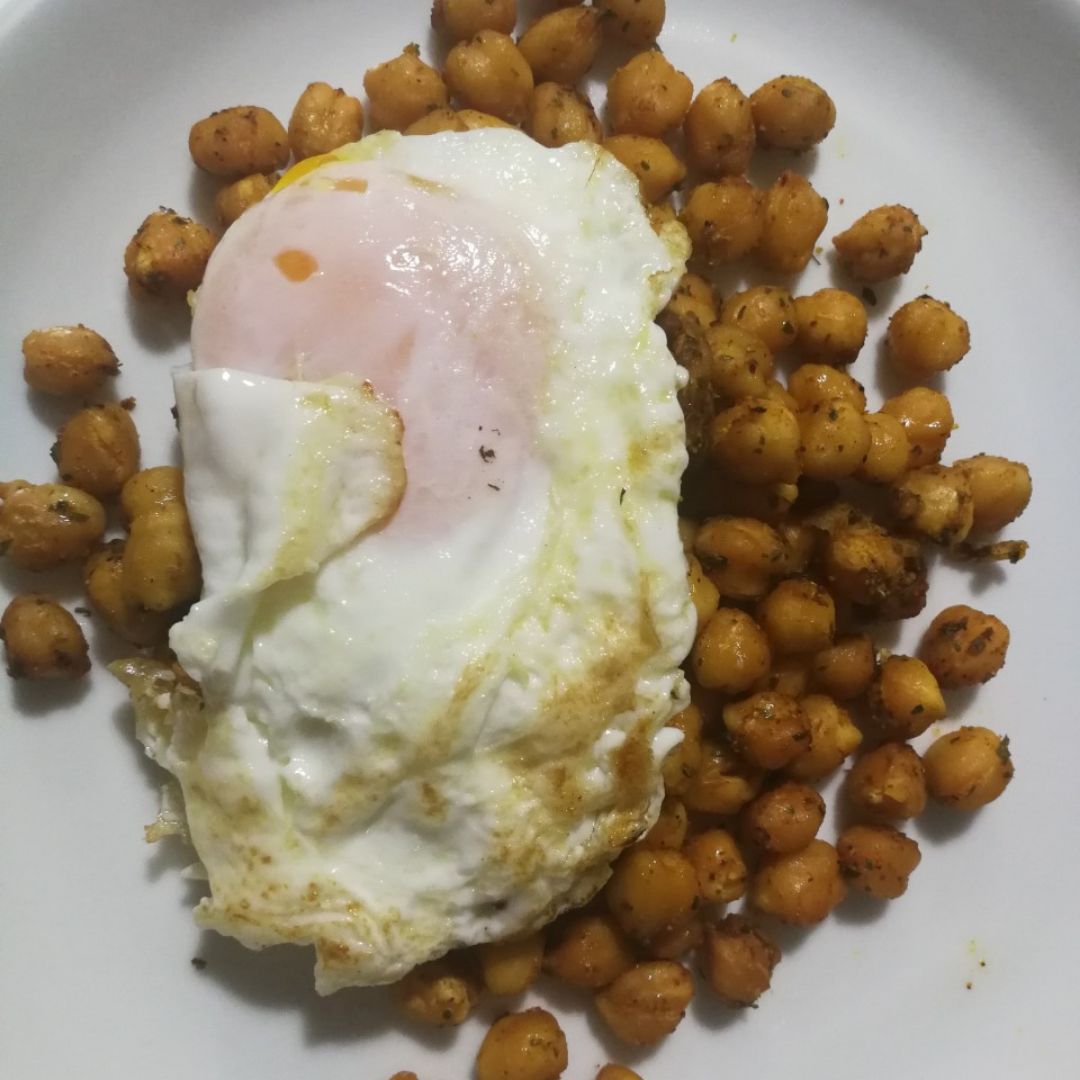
[432,453]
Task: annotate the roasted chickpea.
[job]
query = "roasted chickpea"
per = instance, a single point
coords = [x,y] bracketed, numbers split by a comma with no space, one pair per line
[683,762]
[646,1003]
[831,326]
[792,113]
[67,360]
[833,737]
[784,819]
[511,967]
[438,120]
[798,616]
[766,311]
[151,489]
[441,993]
[926,337]
[795,216]
[737,961]
[651,891]
[559,115]
[459,19]
[693,295]
[527,1045]
[935,502]
[738,364]
[718,863]
[168,254]
[719,130]
[757,442]
[845,670]
[881,244]
[488,73]
[890,452]
[928,422]
[723,783]
[703,593]
[238,142]
[473,119]
[561,46]
[740,555]
[768,728]
[590,952]
[97,450]
[906,698]
[865,565]
[161,564]
[324,119]
[402,90]
[404,1076]
[800,888]
[731,654]
[633,22]
[789,675]
[1000,490]
[964,646]
[888,782]
[835,439]
[44,525]
[669,830]
[675,943]
[103,577]
[233,199]
[968,768]
[724,218]
[654,164]
[647,96]
[617,1072]
[877,859]
[42,640]
[818,384]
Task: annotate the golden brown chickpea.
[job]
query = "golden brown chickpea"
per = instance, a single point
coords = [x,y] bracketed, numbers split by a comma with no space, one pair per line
[693,295]
[890,452]
[777,392]
[404,1076]
[833,737]
[784,819]
[403,90]
[888,782]
[669,831]
[867,566]
[757,442]
[719,130]
[527,1045]
[459,19]
[792,113]
[436,121]
[795,216]
[798,616]
[835,439]
[562,45]
[559,115]
[724,218]
[651,891]
[1000,490]
[473,119]
[633,22]
[647,96]
[233,199]
[488,73]
[103,577]
[511,967]
[928,422]
[831,326]
[703,593]
[682,764]
[968,768]
[800,888]
[731,654]
[441,993]
[926,337]
[324,119]
[877,859]
[97,450]
[590,952]
[845,670]
[238,142]
[654,164]
[617,1072]
[168,254]
[151,489]
[738,363]
[67,360]
[676,943]
[964,646]
[42,640]
[738,961]
[44,525]
[817,384]
[718,863]
[723,784]
[906,698]
[881,244]
[646,1003]
[768,729]
[161,565]
[790,675]
[767,311]
[935,502]
[740,555]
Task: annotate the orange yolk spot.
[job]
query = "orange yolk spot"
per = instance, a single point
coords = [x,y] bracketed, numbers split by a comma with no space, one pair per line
[296,265]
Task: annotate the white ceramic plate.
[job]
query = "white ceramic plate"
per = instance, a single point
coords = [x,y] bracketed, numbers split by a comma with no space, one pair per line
[967,111]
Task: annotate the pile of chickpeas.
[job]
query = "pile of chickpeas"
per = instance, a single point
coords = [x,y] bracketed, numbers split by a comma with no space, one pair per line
[805,517]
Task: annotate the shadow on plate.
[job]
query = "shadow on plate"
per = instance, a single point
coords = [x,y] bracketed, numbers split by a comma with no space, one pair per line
[860,909]
[49,697]
[159,325]
[938,824]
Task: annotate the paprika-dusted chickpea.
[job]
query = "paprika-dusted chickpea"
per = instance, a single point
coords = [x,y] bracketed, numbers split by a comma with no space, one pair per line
[719,865]
[789,675]
[617,1072]
[845,670]
[968,768]
[647,96]
[97,450]
[740,555]
[882,244]
[562,45]
[442,119]
[768,728]
[511,967]
[927,418]
[795,216]
[757,442]
[935,502]
[888,782]
[238,142]
[719,130]
[693,295]
[459,19]
[833,737]
[653,162]
[442,993]
[473,119]
[835,439]
[651,891]
[168,254]
[67,360]
[792,113]
[801,887]
[831,326]
[731,654]
[905,698]
[42,640]
[964,646]
[783,819]
[402,90]
[877,859]
[103,578]
[890,452]
[767,311]
[778,392]
[1000,490]
[323,119]
[676,943]
[233,199]
[723,783]
[669,831]
[44,525]
[559,115]
[161,565]
[798,616]
[151,489]
[926,337]
[646,1003]
[738,961]
[863,564]
[590,951]
[633,22]
[724,218]
[739,364]
[816,384]
[682,763]
[488,73]
[703,593]
[527,1045]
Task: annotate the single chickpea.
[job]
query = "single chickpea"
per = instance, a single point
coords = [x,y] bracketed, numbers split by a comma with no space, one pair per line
[44,525]
[890,452]
[590,952]
[742,556]
[68,361]
[964,646]
[97,450]
[647,96]
[731,654]
[511,967]
[402,90]
[559,115]
[654,164]
[103,578]
[669,831]
[798,616]
[865,565]
[845,670]
[831,326]
[783,819]
[151,489]
[238,142]
[723,784]
[881,244]
[833,737]
[767,311]
[757,442]
[488,73]
[617,1072]
[473,120]
[168,254]
[927,419]
[233,199]
[802,545]
[768,729]
[738,961]
[724,218]
[835,439]
[675,943]
[818,384]
[651,891]
[42,640]
[693,295]
[906,698]
[646,1003]
[877,859]
[456,20]
[792,113]
[795,216]
[527,1045]
[926,337]
[703,593]
[968,768]
[404,1076]
[935,502]
[739,364]
[719,865]
[633,22]
[682,764]
[441,993]
[437,121]
[323,119]
[800,888]
[777,392]
[888,782]
[562,46]
[161,564]
[789,675]
[719,130]
[1000,490]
